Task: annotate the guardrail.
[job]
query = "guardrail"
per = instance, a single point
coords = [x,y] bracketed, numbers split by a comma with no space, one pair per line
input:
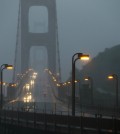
[61,123]
[55,108]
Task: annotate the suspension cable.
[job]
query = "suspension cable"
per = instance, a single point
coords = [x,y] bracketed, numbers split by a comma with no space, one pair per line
[16,47]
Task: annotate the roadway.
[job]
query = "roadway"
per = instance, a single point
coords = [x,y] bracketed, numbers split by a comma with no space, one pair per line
[45,97]
[37,94]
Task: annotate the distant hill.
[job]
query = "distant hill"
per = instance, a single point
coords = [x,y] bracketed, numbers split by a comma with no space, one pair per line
[105,63]
[104,90]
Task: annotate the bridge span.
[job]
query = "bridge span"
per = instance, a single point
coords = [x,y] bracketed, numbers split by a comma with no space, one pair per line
[37,108]
[38,104]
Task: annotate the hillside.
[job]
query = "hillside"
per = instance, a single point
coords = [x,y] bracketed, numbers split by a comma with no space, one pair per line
[105,63]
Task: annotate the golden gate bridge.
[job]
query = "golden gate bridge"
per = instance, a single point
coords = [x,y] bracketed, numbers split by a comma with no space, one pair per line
[37,102]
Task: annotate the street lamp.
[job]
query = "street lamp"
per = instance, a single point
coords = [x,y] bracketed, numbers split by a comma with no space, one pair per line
[114,76]
[91,86]
[3,66]
[75,57]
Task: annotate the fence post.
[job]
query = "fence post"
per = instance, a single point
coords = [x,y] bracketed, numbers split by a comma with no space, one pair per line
[34,114]
[45,123]
[0,117]
[81,122]
[5,122]
[99,123]
[55,119]
[115,125]
[68,124]
[18,110]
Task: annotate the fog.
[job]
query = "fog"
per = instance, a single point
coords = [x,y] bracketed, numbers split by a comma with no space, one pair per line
[87,26]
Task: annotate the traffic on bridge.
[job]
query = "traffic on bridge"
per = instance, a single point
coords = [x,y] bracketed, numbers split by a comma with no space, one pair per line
[54,87]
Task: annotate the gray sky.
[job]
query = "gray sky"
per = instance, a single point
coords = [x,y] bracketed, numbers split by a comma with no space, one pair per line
[87,26]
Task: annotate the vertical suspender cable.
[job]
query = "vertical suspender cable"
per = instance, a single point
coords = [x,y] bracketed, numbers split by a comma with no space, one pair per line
[17,42]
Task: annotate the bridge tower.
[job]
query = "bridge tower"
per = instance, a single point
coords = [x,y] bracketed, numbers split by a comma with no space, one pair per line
[30,38]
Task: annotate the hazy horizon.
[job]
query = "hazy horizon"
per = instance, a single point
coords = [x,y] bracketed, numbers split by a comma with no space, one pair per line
[83,26]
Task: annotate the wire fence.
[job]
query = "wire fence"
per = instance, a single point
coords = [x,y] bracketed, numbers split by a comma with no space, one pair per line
[62,108]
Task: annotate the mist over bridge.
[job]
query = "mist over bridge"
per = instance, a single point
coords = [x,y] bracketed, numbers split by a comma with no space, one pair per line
[38,92]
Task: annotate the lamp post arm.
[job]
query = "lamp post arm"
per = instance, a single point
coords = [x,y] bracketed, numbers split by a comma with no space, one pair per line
[3,65]
[75,55]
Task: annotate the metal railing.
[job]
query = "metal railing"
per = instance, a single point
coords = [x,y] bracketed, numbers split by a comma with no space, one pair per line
[61,108]
[58,122]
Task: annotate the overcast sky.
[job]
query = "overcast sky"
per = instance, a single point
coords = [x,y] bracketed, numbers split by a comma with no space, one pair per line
[87,26]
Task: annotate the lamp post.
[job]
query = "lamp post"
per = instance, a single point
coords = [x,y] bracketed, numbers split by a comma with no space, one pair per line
[3,66]
[114,76]
[91,86]
[75,57]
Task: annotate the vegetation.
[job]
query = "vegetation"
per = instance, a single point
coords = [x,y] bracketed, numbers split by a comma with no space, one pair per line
[101,66]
